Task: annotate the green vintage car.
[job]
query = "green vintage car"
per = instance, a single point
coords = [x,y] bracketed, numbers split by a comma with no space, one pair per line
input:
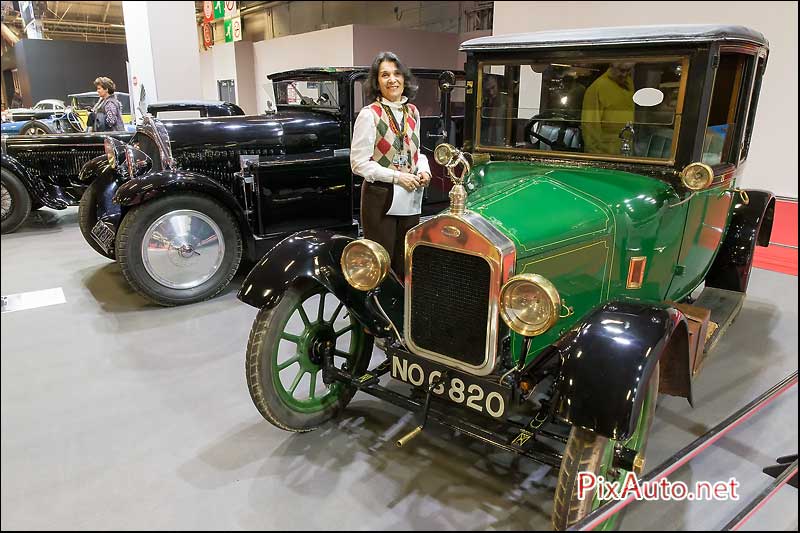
[547,309]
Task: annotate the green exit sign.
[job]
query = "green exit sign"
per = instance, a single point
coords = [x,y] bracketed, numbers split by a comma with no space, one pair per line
[219,10]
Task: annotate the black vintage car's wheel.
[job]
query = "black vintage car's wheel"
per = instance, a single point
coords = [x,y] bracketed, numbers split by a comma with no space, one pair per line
[34,127]
[284,354]
[179,249]
[16,202]
[87,209]
[587,451]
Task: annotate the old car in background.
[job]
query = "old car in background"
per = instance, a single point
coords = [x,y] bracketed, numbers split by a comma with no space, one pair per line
[42,109]
[597,188]
[43,171]
[83,103]
[182,203]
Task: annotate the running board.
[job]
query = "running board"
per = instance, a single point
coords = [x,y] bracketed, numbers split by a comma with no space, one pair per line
[724,306]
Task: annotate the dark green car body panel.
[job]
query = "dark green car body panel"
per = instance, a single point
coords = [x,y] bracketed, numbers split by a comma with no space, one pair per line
[579,227]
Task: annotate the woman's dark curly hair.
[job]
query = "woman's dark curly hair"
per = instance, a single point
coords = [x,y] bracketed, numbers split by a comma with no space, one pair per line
[373,90]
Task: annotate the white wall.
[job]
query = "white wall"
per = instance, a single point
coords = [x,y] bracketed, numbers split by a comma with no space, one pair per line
[772,163]
[208,81]
[327,48]
[140,53]
[421,49]
[246,94]
[162,49]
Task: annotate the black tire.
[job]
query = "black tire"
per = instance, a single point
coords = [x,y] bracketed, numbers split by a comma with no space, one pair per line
[587,451]
[87,209]
[128,248]
[20,202]
[35,127]
[265,335]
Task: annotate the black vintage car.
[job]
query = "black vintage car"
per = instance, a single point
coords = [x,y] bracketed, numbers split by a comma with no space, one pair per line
[185,200]
[43,171]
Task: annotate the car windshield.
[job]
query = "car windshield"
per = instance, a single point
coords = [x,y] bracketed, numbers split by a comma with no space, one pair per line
[613,108]
[318,93]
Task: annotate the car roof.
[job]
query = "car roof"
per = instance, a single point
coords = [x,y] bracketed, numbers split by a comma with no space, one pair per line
[50,101]
[93,93]
[620,35]
[289,74]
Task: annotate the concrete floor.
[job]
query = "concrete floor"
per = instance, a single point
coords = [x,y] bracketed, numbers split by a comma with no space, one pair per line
[117,414]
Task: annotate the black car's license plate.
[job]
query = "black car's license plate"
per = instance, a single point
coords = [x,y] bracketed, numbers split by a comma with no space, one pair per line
[479,394]
[104,235]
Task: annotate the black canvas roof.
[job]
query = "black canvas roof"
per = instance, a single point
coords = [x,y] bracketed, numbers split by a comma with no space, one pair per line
[583,37]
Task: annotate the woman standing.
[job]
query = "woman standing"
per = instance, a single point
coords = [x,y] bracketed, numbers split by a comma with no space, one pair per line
[386,152]
[107,112]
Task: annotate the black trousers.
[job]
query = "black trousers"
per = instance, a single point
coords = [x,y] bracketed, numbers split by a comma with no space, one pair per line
[387,230]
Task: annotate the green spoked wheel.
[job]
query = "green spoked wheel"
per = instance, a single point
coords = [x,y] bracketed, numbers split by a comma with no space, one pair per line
[284,357]
[587,451]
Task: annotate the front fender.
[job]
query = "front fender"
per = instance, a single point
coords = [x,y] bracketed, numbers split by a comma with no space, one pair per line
[105,180]
[750,225]
[316,255]
[36,188]
[607,364]
[139,190]
[155,184]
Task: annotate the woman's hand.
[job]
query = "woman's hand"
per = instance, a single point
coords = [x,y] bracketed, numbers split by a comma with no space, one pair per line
[408,181]
[424,179]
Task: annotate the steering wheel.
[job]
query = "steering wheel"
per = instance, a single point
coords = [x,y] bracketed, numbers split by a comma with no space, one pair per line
[557,144]
[530,134]
[74,121]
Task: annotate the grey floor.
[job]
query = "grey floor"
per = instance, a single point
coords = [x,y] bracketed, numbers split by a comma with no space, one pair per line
[117,414]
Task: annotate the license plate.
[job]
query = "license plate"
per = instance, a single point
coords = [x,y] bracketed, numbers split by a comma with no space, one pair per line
[104,235]
[480,395]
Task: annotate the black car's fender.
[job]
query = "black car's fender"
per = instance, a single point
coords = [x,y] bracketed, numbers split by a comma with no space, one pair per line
[155,184]
[750,225]
[316,255]
[608,361]
[39,191]
[105,180]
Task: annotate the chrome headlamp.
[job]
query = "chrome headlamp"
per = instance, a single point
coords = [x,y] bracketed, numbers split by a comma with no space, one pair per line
[365,264]
[136,161]
[529,304]
[115,151]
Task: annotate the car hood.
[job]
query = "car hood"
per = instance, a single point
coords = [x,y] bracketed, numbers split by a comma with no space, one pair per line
[541,208]
[295,131]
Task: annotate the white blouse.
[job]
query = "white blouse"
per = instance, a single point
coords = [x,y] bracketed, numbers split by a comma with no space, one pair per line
[363,146]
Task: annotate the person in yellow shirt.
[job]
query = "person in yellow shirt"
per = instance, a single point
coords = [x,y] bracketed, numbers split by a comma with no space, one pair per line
[607,108]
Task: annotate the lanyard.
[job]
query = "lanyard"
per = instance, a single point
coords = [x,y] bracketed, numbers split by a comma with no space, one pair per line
[393,122]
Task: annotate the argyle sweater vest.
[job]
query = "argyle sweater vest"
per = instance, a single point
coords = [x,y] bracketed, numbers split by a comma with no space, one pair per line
[385,152]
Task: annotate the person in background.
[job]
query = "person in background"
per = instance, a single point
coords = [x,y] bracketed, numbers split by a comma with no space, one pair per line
[607,107]
[106,114]
[385,151]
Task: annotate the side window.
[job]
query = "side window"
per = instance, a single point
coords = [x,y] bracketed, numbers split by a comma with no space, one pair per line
[428,97]
[359,96]
[751,114]
[182,113]
[721,125]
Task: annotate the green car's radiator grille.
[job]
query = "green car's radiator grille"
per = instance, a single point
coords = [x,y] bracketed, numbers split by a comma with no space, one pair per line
[450,303]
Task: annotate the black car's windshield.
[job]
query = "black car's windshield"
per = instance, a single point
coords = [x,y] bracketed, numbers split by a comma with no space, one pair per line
[318,93]
[616,107]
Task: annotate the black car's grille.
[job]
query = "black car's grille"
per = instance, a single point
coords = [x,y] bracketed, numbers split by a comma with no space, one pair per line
[57,165]
[450,303]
